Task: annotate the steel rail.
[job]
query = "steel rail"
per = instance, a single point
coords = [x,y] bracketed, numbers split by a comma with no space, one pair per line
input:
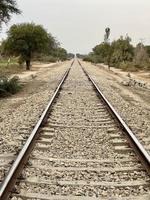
[134,142]
[18,165]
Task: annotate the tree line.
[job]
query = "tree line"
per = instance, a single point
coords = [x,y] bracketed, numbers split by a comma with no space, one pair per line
[121,53]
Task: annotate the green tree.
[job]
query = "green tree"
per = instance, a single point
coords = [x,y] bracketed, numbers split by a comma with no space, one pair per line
[53,44]
[7,8]
[91,57]
[26,39]
[141,57]
[70,56]
[122,50]
[60,53]
[148,50]
[103,52]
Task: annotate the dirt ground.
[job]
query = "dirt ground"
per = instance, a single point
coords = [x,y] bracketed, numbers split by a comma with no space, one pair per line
[140,75]
[135,93]
[37,77]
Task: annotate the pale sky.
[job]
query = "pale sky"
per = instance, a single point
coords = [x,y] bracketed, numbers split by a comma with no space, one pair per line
[79,24]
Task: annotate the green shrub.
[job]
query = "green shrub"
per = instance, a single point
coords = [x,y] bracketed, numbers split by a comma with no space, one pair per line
[128,66]
[44,58]
[9,86]
[49,59]
[93,59]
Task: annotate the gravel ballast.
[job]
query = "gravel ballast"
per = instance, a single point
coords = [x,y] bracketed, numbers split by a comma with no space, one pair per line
[19,113]
[131,102]
[81,151]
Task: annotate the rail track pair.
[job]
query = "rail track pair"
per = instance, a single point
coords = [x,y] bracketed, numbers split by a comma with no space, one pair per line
[16,170]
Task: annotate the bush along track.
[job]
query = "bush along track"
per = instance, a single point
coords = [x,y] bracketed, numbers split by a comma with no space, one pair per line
[9,86]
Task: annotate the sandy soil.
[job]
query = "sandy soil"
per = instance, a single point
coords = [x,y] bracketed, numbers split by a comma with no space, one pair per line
[137,93]
[36,69]
[143,76]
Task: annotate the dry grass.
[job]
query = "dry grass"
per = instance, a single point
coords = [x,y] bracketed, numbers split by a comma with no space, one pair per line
[11,68]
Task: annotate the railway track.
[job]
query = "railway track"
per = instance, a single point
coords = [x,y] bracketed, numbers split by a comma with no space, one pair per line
[79,150]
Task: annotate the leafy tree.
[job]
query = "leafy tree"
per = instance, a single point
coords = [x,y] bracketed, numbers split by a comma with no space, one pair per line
[7,8]
[60,53]
[53,44]
[120,53]
[104,52]
[81,56]
[148,50]
[141,57]
[70,55]
[122,50]
[26,39]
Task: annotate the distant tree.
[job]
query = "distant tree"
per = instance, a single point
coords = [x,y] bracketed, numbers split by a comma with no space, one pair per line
[91,57]
[148,50]
[141,56]
[80,56]
[70,55]
[53,44]
[118,52]
[26,39]
[7,8]
[122,50]
[104,51]
[60,53]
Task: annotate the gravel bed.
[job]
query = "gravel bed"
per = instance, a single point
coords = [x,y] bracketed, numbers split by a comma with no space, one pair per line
[80,131]
[84,190]
[23,110]
[84,175]
[87,163]
[130,102]
[85,144]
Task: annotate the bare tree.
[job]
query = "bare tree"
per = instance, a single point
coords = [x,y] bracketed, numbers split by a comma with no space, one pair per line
[141,56]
